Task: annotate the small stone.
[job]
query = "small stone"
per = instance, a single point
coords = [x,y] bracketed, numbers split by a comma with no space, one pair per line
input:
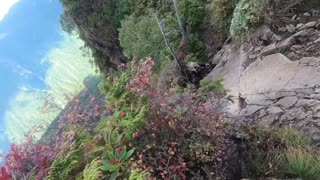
[259,48]
[318,26]
[304,33]
[291,28]
[317,90]
[316,108]
[269,50]
[258,99]
[292,56]
[274,110]
[296,47]
[287,101]
[287,43]
[250,110]
[309,25]
[307,14]
[294,17]
[282,29]
[253,56]
[316,41]
[305,91]
[299,25]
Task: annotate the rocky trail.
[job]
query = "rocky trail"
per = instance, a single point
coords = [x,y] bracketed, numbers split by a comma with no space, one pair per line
[275,79]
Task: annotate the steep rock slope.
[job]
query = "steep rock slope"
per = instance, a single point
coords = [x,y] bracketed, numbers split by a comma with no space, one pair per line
[276,82]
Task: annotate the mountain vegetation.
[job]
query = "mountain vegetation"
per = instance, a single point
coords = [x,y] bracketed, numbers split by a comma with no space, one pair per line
[154,112]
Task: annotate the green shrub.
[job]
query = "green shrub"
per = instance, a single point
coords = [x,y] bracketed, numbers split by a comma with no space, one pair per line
[222,14]
[114,90]
[192,12]
[110,133]
[116,162]
[141,37]
[247,15]
[216,85]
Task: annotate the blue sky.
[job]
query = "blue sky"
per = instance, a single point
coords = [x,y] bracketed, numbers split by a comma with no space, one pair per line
[28,30]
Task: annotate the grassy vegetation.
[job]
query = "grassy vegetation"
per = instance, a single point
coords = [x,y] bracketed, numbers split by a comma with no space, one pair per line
[303,163]
[282,153]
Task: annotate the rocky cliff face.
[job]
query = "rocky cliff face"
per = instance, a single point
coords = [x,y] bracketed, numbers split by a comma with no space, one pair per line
[97,22]
[276,82]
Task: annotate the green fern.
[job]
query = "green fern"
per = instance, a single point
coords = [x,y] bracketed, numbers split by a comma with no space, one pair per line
[138,175]
[62,167]
[92,171]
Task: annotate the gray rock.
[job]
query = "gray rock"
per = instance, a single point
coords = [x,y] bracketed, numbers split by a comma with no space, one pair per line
[282,29]
[274,110]
[296,47]
[258,99]
[268,50]
[287,102]
[314,96]
[287,43]
[303,33]
[316,115]
[257,49]
[264,33]
[318,26]
[269,119]
[307,14]
[305,91]
[309,25]
[230,71]
[279,94]
[250,110]
[299,25]
[291,28]
[294,17]
[277,73]
[307,104]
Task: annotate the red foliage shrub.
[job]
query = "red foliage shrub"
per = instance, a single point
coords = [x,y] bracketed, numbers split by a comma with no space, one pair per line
[28,159]
[142,76]
[4,175]
[183,133]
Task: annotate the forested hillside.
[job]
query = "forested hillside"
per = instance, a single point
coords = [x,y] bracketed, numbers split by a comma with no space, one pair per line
[188,89]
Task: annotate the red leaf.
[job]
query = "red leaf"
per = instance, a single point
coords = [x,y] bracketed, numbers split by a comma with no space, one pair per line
[120,149]
[122,114]
[4,174]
